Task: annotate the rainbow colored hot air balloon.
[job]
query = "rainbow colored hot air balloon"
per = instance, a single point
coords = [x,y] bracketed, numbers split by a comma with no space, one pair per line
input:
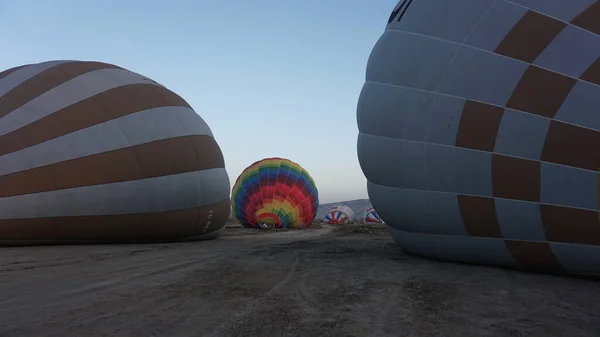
[275,193]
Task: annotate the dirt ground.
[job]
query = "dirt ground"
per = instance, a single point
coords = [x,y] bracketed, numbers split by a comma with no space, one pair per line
[316,282]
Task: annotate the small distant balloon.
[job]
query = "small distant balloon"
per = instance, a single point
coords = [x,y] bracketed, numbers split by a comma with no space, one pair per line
[339,215]
[370,216]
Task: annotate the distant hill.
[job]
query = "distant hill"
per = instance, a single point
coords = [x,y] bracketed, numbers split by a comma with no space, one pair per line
[358,206]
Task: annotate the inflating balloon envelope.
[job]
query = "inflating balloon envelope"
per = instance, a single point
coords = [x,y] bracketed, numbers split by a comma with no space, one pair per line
[339,215]
[480,132]
[275,193]
[94,153]
[370,216]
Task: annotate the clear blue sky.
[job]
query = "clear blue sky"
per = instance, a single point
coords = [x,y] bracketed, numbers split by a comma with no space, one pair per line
[270,77]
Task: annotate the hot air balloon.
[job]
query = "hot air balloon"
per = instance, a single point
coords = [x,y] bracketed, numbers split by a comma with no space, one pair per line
[275,193]
[339,215]
[92,152]
[370,216]
[480,132]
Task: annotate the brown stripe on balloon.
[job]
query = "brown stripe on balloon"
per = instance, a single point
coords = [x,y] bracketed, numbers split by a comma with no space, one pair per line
[540,92]
[478,126]
[530,36]
[46,80]
[571,225]
[592,74]
[148,160]
[589,19]
[156,226]
[479,216]
[515,178]
[571,145]
[106,106]
[10,71]
[534,255]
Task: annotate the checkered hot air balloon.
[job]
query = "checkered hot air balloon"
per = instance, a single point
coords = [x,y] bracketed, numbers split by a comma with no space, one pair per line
[480,131]
[275,193]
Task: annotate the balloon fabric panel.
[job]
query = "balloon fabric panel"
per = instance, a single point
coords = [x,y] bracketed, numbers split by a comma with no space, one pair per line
[276,192]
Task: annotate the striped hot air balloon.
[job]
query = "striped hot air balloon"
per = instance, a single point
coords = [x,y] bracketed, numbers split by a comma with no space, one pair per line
[274,193]
[479,129]
[91,152]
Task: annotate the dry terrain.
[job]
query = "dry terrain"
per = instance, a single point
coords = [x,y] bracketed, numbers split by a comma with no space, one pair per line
[316,282]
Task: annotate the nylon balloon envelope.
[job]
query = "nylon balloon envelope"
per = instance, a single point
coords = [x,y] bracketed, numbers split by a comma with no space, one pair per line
[339,215]
[479,132]
[370,216]
[108,156]
[275,193]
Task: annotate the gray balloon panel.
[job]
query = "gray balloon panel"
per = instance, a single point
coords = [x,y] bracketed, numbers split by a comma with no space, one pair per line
[455,248]
[477,132]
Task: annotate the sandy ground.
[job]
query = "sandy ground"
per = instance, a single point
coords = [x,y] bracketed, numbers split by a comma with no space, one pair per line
[318,282]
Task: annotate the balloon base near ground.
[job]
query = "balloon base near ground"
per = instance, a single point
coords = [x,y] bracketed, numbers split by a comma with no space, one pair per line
[494,252]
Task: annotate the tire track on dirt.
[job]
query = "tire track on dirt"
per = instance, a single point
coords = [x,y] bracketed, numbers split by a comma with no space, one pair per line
[115,281]
[251,307]
[267,300]
[190,322]
[307,296]
[166,299]
[391,301]
[102,265]
[286,279]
